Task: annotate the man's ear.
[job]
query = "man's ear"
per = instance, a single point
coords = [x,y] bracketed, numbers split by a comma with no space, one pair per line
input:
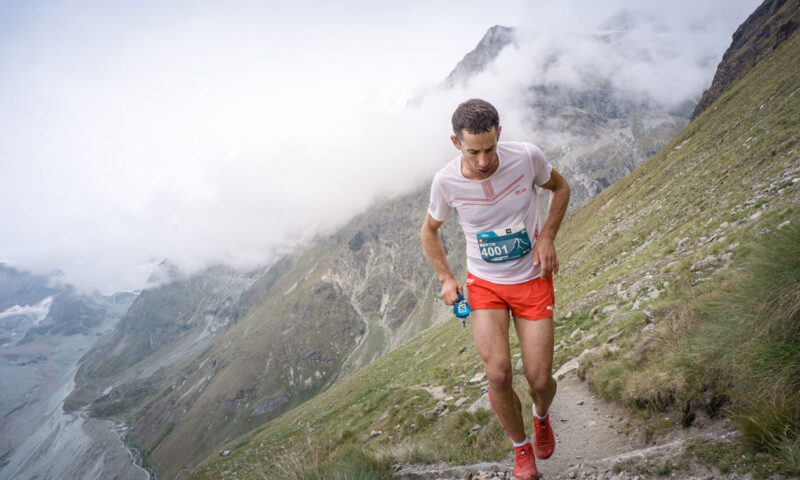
[455,141]
[499,127]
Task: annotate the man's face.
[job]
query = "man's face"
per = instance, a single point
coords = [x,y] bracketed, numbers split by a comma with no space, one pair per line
[478,153]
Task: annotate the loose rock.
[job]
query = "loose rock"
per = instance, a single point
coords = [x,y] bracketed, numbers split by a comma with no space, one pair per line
[479,377]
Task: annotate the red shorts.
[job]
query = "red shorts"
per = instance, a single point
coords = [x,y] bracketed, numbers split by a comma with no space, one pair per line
[532,300]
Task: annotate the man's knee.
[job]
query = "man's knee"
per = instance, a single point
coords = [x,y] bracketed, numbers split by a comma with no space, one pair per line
[499,376]
[540,382]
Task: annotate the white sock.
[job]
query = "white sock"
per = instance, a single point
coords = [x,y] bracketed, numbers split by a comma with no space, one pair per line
[525,442]
[537,416]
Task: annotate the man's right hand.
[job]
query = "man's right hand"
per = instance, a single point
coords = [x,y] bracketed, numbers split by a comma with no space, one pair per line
[450,290]
[434,249]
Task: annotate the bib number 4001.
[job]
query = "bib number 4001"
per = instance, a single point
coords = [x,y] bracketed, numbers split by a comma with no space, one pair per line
[494,251]
[504,244]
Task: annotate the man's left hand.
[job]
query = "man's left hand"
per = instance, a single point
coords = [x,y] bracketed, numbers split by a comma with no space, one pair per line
[544,254]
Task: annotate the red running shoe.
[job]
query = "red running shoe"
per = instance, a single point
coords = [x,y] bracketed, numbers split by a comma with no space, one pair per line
[544,442]
[525,463]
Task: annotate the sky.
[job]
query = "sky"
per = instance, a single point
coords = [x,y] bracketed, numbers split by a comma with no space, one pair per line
[231,132]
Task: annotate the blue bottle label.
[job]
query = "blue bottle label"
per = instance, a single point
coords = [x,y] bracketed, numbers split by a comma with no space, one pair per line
[461,307]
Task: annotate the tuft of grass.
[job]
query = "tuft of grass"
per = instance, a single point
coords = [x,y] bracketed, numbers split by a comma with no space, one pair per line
[352,464]
[728,457]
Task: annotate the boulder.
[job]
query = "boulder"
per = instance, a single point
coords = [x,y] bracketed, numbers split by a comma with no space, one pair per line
[480,404]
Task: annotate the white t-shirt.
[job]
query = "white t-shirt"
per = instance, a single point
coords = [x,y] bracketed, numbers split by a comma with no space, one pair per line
[505,199]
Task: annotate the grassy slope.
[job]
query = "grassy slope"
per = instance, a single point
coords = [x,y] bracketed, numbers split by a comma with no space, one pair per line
[300,327]
[720,184]
[233,376]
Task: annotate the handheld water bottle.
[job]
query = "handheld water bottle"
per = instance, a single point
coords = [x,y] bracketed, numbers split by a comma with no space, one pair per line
[461,309]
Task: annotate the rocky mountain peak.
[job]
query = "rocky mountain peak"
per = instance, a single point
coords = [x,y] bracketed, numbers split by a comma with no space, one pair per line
[495,39]
[772,23]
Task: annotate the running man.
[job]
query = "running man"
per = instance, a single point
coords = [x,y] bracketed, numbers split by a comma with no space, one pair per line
[491,186]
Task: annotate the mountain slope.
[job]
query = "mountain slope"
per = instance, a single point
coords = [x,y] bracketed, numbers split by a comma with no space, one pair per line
[682,219]
[45,328]
[164,328]
[773,22]
[596,135]
[335,305]
[474,62]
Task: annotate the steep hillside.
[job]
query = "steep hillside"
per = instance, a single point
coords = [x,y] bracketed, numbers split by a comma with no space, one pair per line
[682,222]
[164,328]
[45,328]
[773,22]
[596,135]
[207,364]
[164,316]
[494,41]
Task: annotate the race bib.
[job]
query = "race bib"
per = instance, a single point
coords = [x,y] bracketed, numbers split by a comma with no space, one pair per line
[504,244]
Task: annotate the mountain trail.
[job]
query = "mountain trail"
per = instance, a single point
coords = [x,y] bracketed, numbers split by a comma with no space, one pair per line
[594,440]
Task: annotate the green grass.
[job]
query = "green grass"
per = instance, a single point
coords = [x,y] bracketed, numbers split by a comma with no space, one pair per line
[389,396]
[725,339]
[736,345]
[729,457]
[352,464]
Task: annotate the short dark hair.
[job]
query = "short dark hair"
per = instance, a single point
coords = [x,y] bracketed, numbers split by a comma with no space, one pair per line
[475,116]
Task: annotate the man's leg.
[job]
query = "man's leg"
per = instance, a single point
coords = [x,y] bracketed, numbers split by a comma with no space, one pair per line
[490,331]
[536,342]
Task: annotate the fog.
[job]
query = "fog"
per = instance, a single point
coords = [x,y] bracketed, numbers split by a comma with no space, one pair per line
[204,133]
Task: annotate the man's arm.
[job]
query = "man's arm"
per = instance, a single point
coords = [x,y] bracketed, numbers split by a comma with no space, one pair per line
[544,252]
[432,244]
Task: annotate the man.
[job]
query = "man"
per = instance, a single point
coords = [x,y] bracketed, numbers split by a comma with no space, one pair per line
[510,262]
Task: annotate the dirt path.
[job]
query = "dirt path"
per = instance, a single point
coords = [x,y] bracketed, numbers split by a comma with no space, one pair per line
[593,441]
[586,428]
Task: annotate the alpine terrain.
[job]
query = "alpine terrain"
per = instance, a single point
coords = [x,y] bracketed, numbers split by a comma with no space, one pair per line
[45,329]
[677,302]
[211,356]
[340,361]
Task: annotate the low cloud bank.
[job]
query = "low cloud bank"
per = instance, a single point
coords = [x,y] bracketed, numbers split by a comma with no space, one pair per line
[210,140]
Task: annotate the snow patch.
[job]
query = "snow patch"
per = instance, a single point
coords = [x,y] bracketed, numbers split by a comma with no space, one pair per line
[38,311]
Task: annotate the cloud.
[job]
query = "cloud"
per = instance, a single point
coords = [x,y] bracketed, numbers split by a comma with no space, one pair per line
[204,134]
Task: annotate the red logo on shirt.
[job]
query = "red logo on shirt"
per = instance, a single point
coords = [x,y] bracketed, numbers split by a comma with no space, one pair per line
[488,190]
[490,196]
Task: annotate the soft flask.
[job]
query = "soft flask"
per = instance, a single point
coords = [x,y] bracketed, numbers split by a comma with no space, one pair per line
[461,309]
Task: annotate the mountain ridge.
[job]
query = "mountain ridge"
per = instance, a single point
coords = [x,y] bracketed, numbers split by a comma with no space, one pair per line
[475,61]
[773,22]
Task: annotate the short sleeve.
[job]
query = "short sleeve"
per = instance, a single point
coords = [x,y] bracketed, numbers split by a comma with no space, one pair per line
[438,208]
[541,167]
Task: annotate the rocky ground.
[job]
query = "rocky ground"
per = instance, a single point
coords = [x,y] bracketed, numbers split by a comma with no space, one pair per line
[595,440]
